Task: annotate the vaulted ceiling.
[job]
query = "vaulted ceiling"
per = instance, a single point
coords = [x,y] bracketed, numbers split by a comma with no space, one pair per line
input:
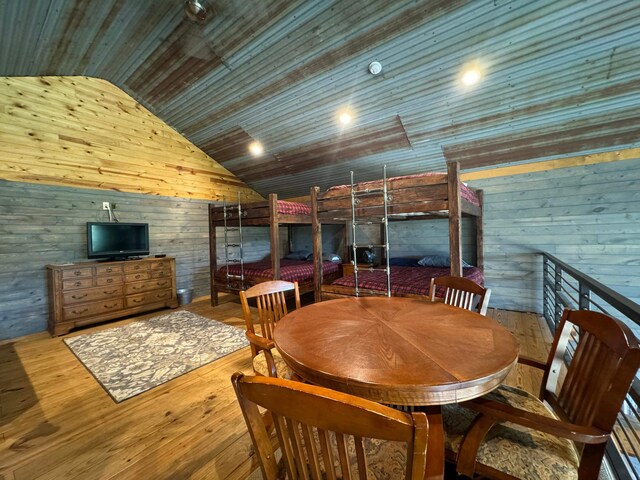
[559,78]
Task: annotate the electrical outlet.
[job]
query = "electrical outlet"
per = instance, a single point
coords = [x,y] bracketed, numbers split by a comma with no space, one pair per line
[105,205]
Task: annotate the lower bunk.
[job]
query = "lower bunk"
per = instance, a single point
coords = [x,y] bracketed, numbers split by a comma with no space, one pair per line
[300,271]
[405,282]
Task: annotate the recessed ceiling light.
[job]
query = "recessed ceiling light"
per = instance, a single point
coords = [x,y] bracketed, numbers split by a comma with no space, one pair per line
[345,116]
[256,149]
[471,76]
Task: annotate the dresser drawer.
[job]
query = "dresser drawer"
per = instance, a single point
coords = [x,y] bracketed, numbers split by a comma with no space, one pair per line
[108,269]
[138,287]
[91,294]
[133,277]
[89,309]
[162,265]
[80,272]
[160,273]
[136,267]
[108,280]
[77,283]
[146,298]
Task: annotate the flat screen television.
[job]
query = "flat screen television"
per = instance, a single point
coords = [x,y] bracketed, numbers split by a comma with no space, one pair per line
[117,240]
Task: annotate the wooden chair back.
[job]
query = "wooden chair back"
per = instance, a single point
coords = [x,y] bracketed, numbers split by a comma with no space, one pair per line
[318,429]
[461,292]
[271,303]
[604,358]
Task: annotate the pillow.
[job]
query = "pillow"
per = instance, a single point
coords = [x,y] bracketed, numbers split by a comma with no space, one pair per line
[438,261]
[404,262]
[299,255]
[331,257]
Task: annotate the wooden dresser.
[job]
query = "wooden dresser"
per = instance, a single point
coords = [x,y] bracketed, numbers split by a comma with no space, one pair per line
[85,293]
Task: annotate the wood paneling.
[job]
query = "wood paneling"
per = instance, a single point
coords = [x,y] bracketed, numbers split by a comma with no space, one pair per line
[42,224]
[587,216]
[85,132]
[57,421]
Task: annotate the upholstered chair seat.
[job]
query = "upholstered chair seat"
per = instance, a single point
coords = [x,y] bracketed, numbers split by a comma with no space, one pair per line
[261,368]
[514,449]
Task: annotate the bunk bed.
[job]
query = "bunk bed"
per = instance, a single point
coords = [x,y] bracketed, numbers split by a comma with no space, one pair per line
[237,275]
[421,196]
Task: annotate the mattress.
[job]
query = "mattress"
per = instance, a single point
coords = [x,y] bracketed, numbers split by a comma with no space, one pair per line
[293,208]
[290,270]
[407,280]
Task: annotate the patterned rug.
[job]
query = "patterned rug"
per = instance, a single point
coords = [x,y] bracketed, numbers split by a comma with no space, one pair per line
[134,358]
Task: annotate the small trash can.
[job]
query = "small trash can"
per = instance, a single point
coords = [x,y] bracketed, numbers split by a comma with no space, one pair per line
[184,296]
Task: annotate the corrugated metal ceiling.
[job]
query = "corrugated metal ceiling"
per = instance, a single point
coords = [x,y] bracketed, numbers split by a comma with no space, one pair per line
[560,78]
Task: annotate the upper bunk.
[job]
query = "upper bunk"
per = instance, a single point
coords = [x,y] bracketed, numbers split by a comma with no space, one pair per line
[419,196]
[268,212]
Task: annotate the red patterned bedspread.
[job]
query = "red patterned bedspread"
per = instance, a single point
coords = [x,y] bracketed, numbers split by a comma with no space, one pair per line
[405,280]
[465,192]
[293,208]
[290,270]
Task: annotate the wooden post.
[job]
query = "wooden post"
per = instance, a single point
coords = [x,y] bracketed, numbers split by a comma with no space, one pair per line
[480,233]
[275,235]
[316,233]
[455,238]
[213,260]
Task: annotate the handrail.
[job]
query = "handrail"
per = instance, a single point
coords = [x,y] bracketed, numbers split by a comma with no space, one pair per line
[624,451]
[621,303]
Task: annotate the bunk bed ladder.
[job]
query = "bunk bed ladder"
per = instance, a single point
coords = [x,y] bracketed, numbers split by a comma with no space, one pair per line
[240,258]
[384,222]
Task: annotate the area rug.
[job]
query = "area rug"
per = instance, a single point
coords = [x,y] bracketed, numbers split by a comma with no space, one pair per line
[134,358]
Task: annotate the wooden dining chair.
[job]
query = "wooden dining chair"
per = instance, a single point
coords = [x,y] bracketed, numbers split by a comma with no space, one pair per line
[461,292]
[593,360]
[327,434]
[272,306]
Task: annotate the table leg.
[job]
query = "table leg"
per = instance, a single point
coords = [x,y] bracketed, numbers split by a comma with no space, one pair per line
[435,444]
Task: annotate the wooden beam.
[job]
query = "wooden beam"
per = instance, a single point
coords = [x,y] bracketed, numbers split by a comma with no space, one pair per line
[591,159]
[316,232]
[274,223]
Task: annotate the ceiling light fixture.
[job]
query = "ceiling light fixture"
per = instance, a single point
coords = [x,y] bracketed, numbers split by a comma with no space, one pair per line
[256,149]
[196,12]
[345,116]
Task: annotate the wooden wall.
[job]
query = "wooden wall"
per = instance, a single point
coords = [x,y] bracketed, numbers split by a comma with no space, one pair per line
[588,216]
[66,145]
[85,132]
[43,224]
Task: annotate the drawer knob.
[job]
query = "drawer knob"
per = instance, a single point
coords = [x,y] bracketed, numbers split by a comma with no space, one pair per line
[111,292]
[77,273]
[109,280]
[77,284]
[109,270]
[78,312]
[110,306]
[78,297]
[137,300]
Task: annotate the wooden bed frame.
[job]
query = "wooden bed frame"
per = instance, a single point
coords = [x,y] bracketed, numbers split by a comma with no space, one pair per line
[263,213]
[419,198]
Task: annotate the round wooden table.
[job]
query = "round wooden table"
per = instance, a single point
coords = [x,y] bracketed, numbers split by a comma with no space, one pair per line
[399,351]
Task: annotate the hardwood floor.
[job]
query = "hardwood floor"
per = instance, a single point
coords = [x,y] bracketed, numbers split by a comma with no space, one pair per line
[57,422]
